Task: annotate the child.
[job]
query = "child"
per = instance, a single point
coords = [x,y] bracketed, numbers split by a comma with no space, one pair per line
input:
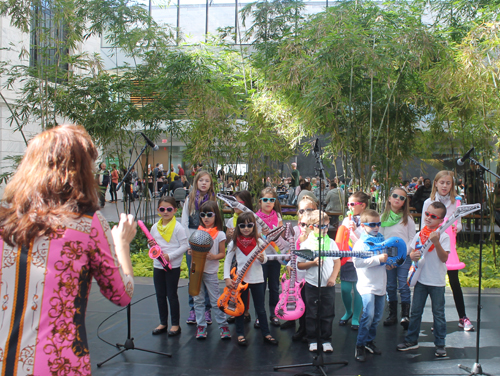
[211,222]
[358,202]
[245,240]
[270,213]
[432,280]
[203,191]
[443,190]
[244,198]
[372,279]
[330,267]
[397,221]
[172,239]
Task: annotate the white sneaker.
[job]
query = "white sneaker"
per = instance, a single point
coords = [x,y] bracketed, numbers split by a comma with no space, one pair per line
[327,347]
[313,347]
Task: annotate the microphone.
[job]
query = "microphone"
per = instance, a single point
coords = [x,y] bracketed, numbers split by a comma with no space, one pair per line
[150,143]
[461,161]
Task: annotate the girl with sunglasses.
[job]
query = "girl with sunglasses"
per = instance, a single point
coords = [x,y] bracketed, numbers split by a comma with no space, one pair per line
[443,190]
[244,242]
[357,203]
[171,237]
[203,191]
[270,212]
[397,221]
[211,222]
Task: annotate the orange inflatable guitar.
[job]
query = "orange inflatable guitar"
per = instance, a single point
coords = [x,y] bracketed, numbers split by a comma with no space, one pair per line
[230,301]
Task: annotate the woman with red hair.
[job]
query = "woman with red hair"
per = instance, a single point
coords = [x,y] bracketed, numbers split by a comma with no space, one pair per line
[53,241]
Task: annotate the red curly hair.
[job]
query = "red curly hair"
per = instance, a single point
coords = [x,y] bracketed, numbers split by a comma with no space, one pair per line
[54,181]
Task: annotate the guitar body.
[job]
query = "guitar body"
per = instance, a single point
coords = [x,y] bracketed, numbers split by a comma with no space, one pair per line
[230,301]
[399,251]
[342,240]
[415,269]
[290,306]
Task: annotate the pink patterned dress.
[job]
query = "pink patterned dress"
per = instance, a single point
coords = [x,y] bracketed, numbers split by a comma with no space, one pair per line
[44,292]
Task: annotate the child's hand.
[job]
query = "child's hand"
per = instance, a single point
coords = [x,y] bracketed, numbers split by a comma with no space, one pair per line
[289,269]
[189,251]
[229,283]
[390,267]
[210,256]
[229,232]
[151,242]
[165,255]
[434,237]
[260,257]
[351,226]
[415,255]
[317,261]
[331,282]
[383,257]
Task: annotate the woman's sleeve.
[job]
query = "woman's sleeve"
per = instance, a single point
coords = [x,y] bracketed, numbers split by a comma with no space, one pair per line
[228,260]
[104,266]
[185,214]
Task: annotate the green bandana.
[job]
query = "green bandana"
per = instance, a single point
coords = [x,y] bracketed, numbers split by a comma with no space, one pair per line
[325,242]
[392,220]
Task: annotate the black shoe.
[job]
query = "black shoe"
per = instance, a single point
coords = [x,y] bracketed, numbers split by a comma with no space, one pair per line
[370,346]
[247,318]
[270,340]
[288,324]
[405,346]
[256,324]
[173,333]
[392,319]
[275,321]
[360,354]
[299,335]
[344,322]
[354,327]
[159,331]
[231,319]
[405,315]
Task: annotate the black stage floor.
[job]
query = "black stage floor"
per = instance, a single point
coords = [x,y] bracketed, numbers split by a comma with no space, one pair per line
[214,356]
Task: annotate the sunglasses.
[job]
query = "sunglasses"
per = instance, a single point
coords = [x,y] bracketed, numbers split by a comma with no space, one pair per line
[395,195]
[372,224]
[354,203]
[302,224]
[266,199]
[301,211]
[207,215]
[163,209]
[245,225]
[322,226]
[433,216]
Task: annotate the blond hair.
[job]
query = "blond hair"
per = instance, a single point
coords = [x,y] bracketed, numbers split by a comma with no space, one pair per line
[368,214]
[388,208]
[438,176]
[314,218]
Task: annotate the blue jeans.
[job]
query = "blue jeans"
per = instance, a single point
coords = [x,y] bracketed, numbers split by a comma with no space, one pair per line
[420,294]
[373,307]
[258,296]
[397,277]
[190,298]
[210,285]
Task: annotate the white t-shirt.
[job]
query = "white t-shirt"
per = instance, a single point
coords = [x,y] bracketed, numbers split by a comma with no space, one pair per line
[212,266]
[254,274]
[434,270]
[175,249]
[301,274]
[407,233]
[327,265]
[372,277]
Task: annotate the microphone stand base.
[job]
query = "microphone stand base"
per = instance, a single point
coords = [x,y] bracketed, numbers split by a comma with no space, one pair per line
[475,370]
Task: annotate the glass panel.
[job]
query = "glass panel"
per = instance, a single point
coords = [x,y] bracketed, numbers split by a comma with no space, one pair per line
[221,15]
[192,20]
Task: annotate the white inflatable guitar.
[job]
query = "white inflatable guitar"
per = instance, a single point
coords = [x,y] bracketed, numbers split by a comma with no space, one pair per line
[416,267]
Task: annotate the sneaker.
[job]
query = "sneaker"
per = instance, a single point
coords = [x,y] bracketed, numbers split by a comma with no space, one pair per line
[440,351]
[407,346]
[201,332]
[313,347]
[192,318]
[225,333]
[360,353]
[370,346]
[327,347]
[465,323]
[208,317]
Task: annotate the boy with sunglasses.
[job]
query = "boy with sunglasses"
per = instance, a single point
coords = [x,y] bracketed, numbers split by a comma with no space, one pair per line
[330,267]
[432,280]
[372,281]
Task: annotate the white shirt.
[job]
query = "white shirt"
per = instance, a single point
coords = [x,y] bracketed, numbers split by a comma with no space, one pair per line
[175,249]
[407,233]
[254,273]
[434,270]
[372,277]
[212,266]
[301,274]
[327,265]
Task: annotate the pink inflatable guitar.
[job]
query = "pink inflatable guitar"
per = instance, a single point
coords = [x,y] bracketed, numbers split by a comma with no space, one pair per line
[290,306]
[453,262]
[155,251]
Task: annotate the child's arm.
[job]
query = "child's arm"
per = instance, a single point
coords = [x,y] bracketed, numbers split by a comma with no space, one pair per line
[335,273]
[308,264]
[442,254]
[183,241]
[221,254]
[227,263]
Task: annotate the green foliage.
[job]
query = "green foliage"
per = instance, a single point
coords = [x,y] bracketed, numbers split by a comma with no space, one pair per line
[469,254]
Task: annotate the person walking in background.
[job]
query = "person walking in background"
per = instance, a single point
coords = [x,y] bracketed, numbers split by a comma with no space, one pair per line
[114,182]
[181,171]
[295,176]
[102,179]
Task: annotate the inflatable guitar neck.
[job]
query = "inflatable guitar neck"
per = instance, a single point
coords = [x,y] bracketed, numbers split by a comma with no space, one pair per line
[155,251]
[416,267]
[230,301]
[233,203]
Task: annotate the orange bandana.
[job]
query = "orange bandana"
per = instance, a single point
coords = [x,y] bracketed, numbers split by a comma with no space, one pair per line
[213,232]
[424,235]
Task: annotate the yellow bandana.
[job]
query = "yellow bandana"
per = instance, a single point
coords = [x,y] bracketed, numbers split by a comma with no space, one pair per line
[167,230]
[235,218]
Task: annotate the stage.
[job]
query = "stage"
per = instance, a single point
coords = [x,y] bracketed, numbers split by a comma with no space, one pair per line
[214,356]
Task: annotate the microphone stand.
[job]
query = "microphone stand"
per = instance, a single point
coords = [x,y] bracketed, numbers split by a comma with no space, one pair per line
[318,360]
[129,342]
[476,368]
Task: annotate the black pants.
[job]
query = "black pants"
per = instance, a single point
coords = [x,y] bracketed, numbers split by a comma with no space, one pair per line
[127,192]
[166,287]
[258,293]
[302,319]
[326,315]
[458,296]
[112,191]
[102,195]
[272,281]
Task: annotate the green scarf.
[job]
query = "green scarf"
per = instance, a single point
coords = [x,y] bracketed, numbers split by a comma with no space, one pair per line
[325,242]
[392,219]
